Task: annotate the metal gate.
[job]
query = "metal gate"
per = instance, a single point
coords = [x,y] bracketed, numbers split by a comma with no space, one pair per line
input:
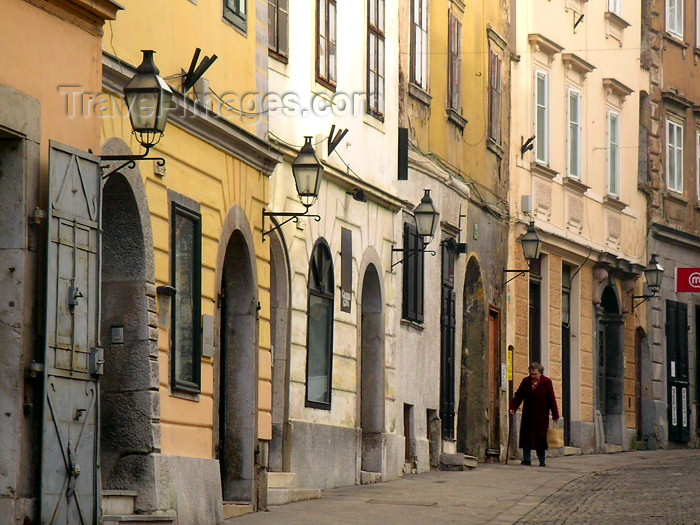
[72,360]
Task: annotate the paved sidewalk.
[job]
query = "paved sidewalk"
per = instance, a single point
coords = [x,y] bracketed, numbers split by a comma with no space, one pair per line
[656,486]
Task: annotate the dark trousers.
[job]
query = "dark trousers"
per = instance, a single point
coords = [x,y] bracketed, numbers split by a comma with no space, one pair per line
[527,454]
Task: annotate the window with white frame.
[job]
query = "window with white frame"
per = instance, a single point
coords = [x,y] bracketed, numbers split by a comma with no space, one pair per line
[574,137]
[674,17]
[615,6]
[542,117]
[674,155]
[419,43]
[613,153]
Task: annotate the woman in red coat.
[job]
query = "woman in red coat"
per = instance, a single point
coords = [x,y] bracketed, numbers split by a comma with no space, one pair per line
[537,393]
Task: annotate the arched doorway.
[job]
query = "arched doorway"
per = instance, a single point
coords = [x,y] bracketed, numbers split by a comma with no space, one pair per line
[238,372]
[128,436]
[472,412]
[280,330]
[372,372]
[610,366]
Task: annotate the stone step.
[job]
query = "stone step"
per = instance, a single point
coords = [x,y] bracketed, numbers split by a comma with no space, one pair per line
[284,496]
[141,519]
[368,478]
[612,449]
[282,480]
[572,451]
[233,509]
[118,502]
[469,462]
[452,461]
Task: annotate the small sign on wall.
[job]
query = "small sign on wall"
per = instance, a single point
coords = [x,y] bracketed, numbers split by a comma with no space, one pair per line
[345,270]
[207,335]
[687,279]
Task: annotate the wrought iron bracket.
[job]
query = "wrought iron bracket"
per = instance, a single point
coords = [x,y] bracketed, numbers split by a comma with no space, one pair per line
[410,252]
[291,216]
[644,298]
[127,161]
[518,272]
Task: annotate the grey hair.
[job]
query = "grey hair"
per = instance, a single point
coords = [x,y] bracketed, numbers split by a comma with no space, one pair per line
[536,366]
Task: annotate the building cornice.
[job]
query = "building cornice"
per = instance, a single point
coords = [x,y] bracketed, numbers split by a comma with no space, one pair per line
[672,235]
[672,95]
[88,15]
[544,44]
[201,122]
[576,63]
[617,88]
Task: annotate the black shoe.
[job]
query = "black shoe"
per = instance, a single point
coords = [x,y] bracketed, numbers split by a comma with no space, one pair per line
[523,462]
[542,464]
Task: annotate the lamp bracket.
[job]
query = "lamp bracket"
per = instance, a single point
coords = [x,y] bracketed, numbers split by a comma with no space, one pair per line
[644,298]
[126,161]
[518,272]
[291,216]
[410,252]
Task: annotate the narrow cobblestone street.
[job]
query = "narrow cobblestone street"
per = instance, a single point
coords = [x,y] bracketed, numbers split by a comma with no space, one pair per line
[659,487]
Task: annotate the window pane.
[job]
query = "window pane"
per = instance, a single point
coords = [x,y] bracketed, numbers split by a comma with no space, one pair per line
[272,25]
[319,349]
[185,263]
[282,32]
[380,23]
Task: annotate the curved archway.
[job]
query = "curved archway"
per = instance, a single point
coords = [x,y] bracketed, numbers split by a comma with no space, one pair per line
[610,366]
[280,326]
[472,412]
[128,432]
[237,372]
[372,371]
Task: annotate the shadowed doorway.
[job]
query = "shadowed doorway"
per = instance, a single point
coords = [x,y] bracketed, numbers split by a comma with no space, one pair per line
[472,413]
[372,372]
[238,373]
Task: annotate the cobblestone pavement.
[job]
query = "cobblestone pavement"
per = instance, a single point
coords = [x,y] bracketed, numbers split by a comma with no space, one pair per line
[665,491]
[637,488]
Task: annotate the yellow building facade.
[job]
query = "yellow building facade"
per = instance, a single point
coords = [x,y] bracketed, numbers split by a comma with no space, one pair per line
[193,301]
[455,107]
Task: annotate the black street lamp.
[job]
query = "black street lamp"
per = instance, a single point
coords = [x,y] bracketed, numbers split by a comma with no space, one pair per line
[427,218]
[654,274]
[308,173]
[532,245]
[149,100]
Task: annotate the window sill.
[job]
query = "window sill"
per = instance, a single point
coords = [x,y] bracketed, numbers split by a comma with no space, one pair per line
[541,169]
[419,94]
[374,122]
[184,394]
[456,118]
[575,184]
[237,23]
[616,20]
[330,86]
[610,201]
[275,55]
[675,196]
[317,405]
[495,148]
[675,40]
[412,325]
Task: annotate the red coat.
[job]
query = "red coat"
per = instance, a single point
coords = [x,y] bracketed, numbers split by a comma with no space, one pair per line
[538,402]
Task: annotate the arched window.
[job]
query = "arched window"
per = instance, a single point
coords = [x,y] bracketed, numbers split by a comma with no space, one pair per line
[319,332]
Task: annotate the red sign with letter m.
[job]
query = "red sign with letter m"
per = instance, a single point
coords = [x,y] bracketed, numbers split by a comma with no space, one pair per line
[687,279]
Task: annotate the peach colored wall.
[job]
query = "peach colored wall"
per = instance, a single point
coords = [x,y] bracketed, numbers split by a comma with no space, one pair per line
[38,67]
